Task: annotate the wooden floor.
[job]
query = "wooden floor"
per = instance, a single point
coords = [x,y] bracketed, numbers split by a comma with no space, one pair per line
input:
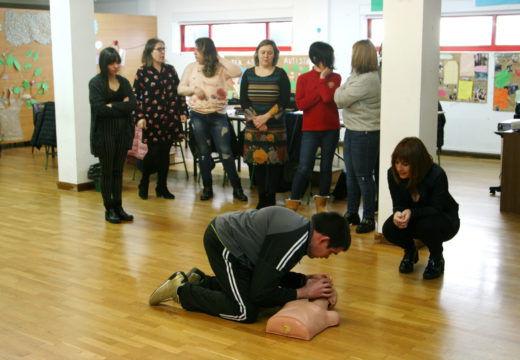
[73,286]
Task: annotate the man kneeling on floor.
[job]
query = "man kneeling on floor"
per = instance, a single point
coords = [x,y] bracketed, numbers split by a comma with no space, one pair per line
[252,253]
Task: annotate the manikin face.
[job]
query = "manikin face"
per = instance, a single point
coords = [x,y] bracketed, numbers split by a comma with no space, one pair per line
[402,168]
[158,52]
[113,68]
[199,56]
[266,55]
[318,247]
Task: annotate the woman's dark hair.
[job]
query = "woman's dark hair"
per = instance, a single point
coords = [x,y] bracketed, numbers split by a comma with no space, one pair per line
[334,226]
[321,52]
[207,48]
[412,151]
[107,56]
[275,49]
[364,57]
[147,58]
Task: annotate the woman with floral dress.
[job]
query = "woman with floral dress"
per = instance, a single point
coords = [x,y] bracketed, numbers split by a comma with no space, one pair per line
[160,114]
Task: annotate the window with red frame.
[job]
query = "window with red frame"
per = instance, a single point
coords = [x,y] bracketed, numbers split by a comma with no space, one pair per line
[238,36]
[496,33]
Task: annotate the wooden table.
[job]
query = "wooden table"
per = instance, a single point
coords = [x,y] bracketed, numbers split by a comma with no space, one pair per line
[510,180]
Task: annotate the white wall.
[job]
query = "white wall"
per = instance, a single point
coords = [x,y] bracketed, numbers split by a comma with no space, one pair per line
[469,127]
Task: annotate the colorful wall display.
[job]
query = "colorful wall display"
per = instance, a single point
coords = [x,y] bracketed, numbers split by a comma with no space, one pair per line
[463,77]
[26,73]
[507,79]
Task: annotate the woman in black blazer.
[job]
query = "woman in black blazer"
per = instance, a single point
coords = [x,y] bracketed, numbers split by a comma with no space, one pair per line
[423,207]
[112,130]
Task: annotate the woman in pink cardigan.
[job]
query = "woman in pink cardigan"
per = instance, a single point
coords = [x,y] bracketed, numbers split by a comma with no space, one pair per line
[204,81]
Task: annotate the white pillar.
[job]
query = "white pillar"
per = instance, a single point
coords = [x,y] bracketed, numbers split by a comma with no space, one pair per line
[74,64]
[409,82]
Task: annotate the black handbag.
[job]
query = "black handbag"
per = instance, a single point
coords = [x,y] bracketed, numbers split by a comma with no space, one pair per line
[94,172]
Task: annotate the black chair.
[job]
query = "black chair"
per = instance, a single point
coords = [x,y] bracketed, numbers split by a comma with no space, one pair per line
[44,129]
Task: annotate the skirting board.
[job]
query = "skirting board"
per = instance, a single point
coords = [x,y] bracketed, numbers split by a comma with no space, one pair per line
[75,187]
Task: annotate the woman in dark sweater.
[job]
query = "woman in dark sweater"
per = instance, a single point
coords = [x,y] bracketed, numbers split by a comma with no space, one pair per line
[111,130]
[422,205]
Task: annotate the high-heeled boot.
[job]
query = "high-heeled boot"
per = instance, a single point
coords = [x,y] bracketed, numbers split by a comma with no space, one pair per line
[143,187]
[270,199]
[161,190]
[261,200]
[207,192]
[238,192]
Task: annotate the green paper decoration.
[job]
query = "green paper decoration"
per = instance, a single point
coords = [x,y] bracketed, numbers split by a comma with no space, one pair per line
[376,5]
[10,60]
[502,79]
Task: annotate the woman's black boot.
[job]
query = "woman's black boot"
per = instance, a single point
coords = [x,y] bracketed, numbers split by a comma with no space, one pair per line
[123,215]
[411,256]
[238,192]
[261,201]
[434,269]
[143,188]
[112,217]
[207,192]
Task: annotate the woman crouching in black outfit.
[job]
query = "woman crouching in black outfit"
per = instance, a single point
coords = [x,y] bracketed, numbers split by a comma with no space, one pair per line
[422,205]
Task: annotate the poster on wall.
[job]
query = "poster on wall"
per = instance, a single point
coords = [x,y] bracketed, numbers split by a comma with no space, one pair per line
[294,66]
[25,74]
[463,77]
[507,77]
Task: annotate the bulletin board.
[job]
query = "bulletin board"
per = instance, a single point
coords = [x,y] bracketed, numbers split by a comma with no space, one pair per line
[294,66]
[26,74]
[507,77]
[463,77]
[25,70]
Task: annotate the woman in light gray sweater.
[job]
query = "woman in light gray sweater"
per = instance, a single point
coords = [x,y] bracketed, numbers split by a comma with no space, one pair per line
[360,98]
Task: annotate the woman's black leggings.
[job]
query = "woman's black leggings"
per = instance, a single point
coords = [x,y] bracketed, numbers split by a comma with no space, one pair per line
[112,159]
[431,230]
[267,178]
[157,159]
